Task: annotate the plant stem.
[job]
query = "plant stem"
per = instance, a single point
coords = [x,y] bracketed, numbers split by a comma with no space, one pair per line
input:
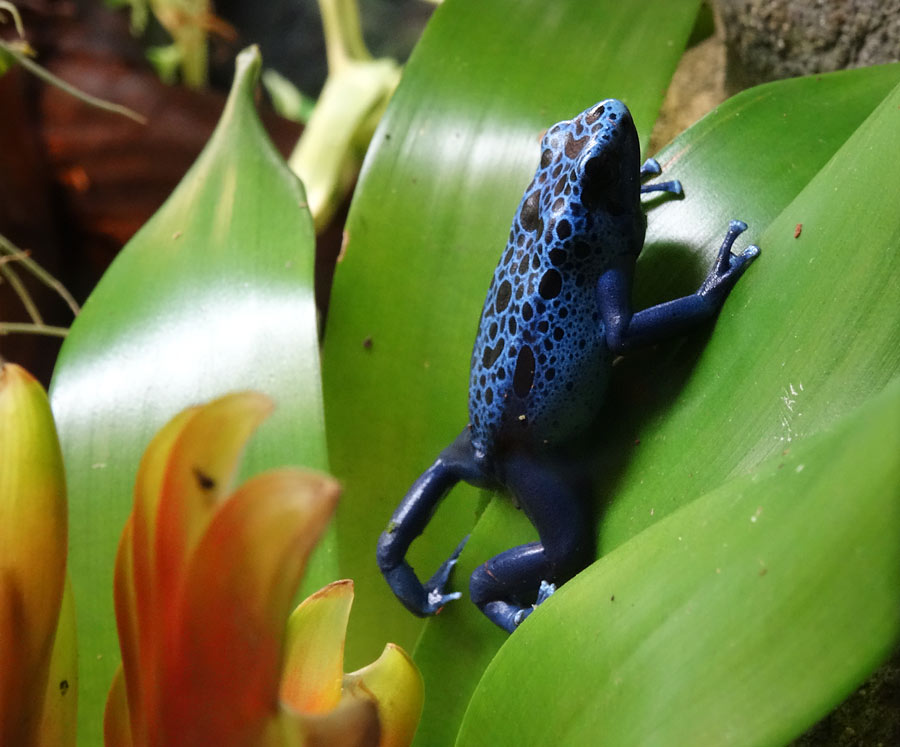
[50,78]
[7,328]
[14,254]
[343,33]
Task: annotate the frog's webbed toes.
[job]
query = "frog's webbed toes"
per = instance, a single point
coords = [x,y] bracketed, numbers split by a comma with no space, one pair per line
[729,266]
[434,587]
[544,593]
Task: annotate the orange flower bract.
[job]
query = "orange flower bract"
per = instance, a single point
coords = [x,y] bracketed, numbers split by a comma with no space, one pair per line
[204,580]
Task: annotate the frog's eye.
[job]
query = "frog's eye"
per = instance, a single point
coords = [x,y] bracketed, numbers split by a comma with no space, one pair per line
[600,187]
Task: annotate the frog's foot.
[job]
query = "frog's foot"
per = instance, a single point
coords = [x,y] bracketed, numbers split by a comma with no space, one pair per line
[544,593]
[650,168]
[728,267]
[434,587]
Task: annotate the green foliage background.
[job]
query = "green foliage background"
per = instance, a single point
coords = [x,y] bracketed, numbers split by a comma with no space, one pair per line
[746,476]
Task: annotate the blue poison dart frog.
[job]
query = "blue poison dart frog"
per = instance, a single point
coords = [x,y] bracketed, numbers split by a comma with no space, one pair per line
[557,312]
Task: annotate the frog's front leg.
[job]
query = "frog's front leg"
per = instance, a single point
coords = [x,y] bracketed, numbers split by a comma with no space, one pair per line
[651,167]
[626,330]
[457,462]
[510,585]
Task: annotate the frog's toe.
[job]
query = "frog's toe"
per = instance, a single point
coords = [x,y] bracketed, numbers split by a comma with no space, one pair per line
[437,600]
[651,167]
[750,253]
[545,592]
[435,586]
[726,262]
[674,187]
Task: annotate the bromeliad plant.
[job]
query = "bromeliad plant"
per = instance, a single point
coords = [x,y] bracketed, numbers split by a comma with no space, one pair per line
[721,530]
[204,578]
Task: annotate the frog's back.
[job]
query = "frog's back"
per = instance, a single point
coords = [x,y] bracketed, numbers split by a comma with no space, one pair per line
[540,361]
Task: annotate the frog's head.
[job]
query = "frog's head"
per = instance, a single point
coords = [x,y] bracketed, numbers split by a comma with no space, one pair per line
[609,164]
[600,152]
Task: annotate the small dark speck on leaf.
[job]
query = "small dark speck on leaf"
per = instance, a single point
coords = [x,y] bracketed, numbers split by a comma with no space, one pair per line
[612,598]
[797,230]
[367,343]
[203,480]
[763,571]
[63,687]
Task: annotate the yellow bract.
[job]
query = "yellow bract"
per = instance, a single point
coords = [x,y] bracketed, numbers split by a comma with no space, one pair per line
[37,664]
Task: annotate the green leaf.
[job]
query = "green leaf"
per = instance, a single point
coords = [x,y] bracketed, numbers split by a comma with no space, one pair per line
[807,336]
[682,418]
[214,294]
[740,619]
[441,182]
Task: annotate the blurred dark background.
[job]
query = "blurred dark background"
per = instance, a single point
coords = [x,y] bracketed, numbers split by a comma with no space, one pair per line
[77,182]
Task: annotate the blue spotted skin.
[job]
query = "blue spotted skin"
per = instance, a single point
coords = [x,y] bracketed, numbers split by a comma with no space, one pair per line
[557,311]
[540,363]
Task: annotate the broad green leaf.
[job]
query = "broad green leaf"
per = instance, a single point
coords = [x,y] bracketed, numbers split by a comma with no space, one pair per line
[684,417]
[807,336]
[740,619]
[431,213]
[214,294]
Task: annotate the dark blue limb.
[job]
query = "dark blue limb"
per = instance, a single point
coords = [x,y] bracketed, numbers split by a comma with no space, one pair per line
[650,168]
[626,330]
[457,462]
[509,586]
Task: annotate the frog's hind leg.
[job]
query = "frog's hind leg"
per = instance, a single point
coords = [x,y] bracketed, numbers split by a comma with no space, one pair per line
[459,461]
[508,586]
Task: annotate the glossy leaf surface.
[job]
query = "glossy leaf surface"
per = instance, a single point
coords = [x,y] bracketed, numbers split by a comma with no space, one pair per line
[739,619]
[755,391]
[442,179]
[681,419]
[214,294]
